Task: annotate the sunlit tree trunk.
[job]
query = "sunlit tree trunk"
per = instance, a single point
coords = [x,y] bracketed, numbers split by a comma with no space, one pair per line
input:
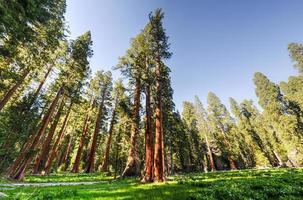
[91,155]
[104,166]
[76,164]
[117,149]
[20,156]
[66,153]
[132,167]
[280,162]
[149,141]
[54,150]
[158,159]
[13,89]
[28,157]
[36,94]
[232,163]
[210,154]
[42,157]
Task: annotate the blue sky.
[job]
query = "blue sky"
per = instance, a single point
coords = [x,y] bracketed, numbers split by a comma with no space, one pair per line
[217,45]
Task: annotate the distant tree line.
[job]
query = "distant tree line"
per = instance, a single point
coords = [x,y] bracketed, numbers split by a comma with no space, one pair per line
[248,137]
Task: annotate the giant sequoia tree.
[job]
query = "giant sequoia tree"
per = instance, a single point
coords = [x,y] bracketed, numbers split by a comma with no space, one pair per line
[159,47]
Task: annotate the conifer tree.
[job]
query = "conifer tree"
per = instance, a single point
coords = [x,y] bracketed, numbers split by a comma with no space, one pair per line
[159,46]
[279,120]
[204,130]
[104,89]
[221,124]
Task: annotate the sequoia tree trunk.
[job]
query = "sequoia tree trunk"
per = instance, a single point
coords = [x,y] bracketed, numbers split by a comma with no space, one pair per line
[12,91]
[104,166]
[42,157]
[132,167]
[91,155]
[158,159]
[54,150]
[27,155]
[66,153]
[149,141]
[81,144]
[35,96]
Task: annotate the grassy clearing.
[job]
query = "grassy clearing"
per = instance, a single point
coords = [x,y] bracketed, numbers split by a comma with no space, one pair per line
[247,184]
[67,177]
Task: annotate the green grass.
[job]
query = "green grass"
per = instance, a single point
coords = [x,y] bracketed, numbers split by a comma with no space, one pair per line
[3,180]
[67,177]
[248,184]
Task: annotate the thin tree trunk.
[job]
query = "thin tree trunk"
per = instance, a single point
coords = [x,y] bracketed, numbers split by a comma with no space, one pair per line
[163,149]
[91,155]
[172,171]
[149,141]
[12,91]
[104,166]
[20,156]
[24,148]
[163,157]
[54,150]
[232,163]
[66,153]
[280,162]
[63,153]
[158,160]
[210,154]
[81,144]
[76,164]
[132,167]
[42,157]
[35,96]
[117,152]
[28,158]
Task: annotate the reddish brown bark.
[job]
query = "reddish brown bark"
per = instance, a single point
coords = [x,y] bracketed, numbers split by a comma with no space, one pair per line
[24,148]
[158,159]
[12,91]
[76,164]
[91,155]
[81,144]
[149,141]
[28,157]
[104,166]
[54,150]
[65,157]
[132,167]
[20,156]
[41,159]
[232,164]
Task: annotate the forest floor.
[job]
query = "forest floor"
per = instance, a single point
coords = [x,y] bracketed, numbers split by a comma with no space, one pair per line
[233,185]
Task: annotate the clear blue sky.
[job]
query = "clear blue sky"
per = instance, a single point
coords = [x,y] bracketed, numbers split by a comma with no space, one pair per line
[217,44]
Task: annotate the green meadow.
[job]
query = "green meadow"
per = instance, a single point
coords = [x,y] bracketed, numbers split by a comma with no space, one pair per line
[246,184]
